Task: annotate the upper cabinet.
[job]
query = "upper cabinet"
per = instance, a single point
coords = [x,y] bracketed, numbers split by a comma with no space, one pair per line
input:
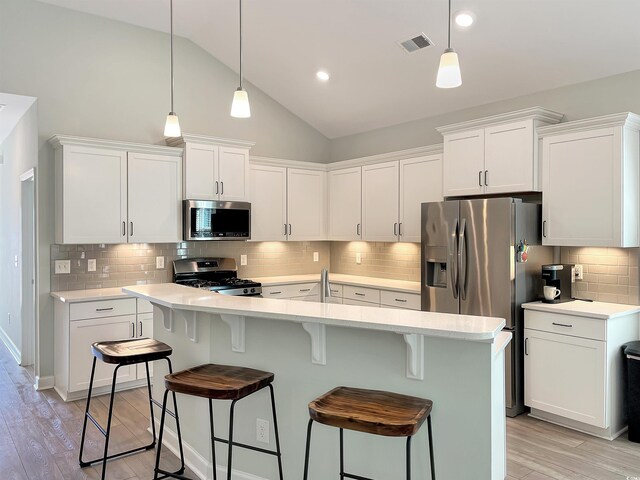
[115,192]
[214,168]
[380,200]
[590,182]
[345,203]
[494,155]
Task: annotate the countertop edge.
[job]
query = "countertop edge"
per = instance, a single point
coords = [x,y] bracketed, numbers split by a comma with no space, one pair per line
[552,308]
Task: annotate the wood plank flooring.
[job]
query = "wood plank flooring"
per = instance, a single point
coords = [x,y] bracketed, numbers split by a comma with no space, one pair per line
[39,437]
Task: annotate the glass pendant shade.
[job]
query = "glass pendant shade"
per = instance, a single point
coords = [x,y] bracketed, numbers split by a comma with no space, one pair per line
[240,107]
[449,71]
[172,126]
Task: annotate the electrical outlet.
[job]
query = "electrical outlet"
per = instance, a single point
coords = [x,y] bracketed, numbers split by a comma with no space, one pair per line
[15,261]
[358,258]
[91,265]
[62,266]
[316,256]
[160,262]
[262,430]
[243,259]
[579,272]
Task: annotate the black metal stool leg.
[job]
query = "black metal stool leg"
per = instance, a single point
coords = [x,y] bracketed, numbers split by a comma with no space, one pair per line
[341,454]
[213,441]
[86,412]
[229,458]
[408,458]
[162,416]
[275,431]
[307,450]
[109,417]
[433,468]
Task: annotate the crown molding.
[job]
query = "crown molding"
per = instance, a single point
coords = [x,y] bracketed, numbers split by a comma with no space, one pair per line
[209,140]
[533,113]
[284,163]
[57,141]
[436,149]
[626,119]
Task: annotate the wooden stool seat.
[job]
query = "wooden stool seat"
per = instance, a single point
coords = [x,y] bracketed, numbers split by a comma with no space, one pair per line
[127,352]
[218,382]
[371,411]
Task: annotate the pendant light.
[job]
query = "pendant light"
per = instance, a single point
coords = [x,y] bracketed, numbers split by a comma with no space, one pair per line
[240,106]
[449,71]
[172,126]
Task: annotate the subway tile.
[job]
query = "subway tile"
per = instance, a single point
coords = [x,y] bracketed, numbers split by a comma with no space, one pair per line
[608,279]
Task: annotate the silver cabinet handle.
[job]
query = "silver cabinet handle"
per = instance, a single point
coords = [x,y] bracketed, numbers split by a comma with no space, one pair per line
[400,229]
[400,300]
[140,328]
[133,329]
[216,187]
[289,229]
[221,188]
[486,178]
[395,229]
[104,309]
[568,325]
[480,177]
[124,228]
[274,293]
[131,232]
[526,346]
[304,290]
[544,228]
[361,294]
[358,229]
[285,229]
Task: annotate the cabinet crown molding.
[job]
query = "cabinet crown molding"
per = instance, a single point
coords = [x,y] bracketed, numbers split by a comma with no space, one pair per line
[285,163]
[626,119]
[207,139]
[533,113]
[436,149]
[57,141]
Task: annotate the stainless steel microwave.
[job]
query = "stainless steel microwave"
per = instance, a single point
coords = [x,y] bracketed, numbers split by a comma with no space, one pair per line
[212,220]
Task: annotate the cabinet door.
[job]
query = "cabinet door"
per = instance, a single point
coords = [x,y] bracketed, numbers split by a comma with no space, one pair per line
[233,169]
[306,204]
[268,203]
[82,333]
[144,329]
[464,163]
[380,193]
[420,181]
[509,161]
[200,172]
[155,198]
[565,376]
[581,202]
[92,201]
[345,201]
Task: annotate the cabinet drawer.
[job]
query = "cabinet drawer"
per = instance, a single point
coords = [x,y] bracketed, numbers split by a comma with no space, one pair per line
[360,303]
[400,300]
[102,308]
[336,290]
[583,327]
[371,295]
[289,291]
[144,306]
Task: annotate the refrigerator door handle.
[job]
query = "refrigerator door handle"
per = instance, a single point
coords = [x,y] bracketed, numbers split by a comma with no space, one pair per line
[453,262]
[462,260]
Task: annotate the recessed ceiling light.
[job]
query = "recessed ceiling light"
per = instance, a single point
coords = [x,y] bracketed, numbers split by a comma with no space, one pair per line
[322,75]
[464,18]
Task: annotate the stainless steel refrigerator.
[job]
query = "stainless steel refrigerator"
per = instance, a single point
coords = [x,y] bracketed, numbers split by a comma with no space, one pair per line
[470,266]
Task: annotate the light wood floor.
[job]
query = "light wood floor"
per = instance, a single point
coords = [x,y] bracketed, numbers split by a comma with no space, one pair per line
[39,437]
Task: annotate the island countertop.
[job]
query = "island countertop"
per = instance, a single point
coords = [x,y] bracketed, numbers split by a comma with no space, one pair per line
[461,327]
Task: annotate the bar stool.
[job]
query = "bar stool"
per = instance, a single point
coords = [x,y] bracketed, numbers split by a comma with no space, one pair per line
[219,382]
[374,412]
[121,353]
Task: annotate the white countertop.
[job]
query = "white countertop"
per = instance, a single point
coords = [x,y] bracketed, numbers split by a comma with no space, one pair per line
[73,296]
[584,309]
[462,327]
[356,280]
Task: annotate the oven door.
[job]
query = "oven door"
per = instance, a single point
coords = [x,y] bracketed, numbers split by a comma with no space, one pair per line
[211,220]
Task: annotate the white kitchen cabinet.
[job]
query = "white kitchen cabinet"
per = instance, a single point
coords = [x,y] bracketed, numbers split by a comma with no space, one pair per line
[494,155]
[590,182]
[214,168]
[574,371]
[345,204]
[287,203]
[104,189]
[144,329]
[380,202]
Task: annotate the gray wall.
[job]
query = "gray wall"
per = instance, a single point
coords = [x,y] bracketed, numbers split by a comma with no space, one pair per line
[619,93]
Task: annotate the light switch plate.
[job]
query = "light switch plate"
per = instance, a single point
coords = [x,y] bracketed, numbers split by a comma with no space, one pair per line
[316,256]
[358,258]
[91,265]
[63,266]
[160,262]
[579,272]
[243,259]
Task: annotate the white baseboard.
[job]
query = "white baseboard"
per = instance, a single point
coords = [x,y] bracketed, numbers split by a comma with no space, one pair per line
[13,350]
[44,383]
[196,462]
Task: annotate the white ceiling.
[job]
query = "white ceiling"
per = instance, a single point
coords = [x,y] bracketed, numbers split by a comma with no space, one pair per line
[515,47]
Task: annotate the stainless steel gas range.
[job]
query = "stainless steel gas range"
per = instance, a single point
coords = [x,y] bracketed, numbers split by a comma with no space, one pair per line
[214,274]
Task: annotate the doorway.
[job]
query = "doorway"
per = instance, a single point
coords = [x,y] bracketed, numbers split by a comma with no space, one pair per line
[28,294]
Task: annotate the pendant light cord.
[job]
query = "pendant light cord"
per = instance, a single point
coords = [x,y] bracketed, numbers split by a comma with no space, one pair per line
[449,30]
[240,3]
[171,48]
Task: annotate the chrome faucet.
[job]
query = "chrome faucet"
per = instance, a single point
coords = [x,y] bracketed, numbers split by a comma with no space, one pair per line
[325,287]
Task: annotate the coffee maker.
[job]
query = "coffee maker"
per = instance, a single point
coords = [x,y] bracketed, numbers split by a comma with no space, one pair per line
[562,277]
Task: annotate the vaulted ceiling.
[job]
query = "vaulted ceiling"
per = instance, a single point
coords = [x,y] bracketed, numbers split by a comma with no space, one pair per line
[514,48]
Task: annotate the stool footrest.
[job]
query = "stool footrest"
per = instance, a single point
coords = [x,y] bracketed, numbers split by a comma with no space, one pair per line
[249,447]
[177,474]
[118,455]
[356,477]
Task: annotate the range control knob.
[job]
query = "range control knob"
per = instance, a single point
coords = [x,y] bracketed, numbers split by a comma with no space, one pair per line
[245,291]
[253,290]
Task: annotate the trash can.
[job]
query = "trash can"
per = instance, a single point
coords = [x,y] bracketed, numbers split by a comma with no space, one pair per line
[632,351]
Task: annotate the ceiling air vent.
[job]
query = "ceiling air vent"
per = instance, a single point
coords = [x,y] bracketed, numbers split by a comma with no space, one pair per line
[417,42]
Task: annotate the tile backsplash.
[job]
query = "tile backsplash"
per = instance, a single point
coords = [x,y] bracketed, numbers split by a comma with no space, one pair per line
[610,274]
[130,264]
[400,261]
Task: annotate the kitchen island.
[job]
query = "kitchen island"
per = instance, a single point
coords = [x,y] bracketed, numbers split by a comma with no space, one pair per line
[455,360]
